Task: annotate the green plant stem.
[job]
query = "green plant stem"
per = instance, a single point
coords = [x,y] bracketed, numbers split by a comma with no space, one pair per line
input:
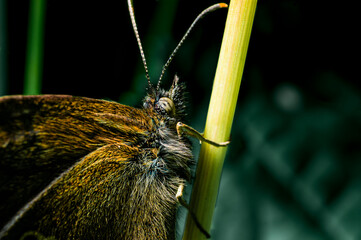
[34,55]
[220,114]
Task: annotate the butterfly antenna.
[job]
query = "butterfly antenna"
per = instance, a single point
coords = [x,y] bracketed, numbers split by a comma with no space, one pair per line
[202,14]
[134,24]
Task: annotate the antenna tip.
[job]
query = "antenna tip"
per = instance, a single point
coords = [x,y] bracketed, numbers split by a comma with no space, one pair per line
[223,5]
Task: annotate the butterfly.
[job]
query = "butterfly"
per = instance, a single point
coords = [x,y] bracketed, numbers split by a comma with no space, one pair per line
[82,168]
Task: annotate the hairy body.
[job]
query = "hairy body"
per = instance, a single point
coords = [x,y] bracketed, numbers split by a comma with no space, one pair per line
[80,168]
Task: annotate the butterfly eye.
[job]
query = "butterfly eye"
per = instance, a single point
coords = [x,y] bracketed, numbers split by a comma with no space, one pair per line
[167,105]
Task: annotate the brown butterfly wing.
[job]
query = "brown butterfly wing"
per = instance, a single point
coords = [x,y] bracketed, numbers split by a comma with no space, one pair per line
[45,138]
[80,204]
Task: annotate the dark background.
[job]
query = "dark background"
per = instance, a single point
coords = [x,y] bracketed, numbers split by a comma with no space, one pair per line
[292,169]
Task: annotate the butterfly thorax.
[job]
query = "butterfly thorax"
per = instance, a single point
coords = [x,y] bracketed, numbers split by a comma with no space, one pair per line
[114,159]
[166,109]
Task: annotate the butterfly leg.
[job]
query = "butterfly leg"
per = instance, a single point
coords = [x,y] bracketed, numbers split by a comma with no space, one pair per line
[183,202]
[185,129]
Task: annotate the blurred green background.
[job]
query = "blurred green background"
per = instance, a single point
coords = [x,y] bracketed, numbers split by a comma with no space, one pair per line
[292,169]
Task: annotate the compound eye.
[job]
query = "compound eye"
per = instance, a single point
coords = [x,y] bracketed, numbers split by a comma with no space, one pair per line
[167,105]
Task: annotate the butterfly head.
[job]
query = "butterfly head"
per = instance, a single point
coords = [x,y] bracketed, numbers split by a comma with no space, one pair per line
[169,104]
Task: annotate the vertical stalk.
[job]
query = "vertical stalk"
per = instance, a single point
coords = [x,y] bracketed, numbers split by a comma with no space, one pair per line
[220,114]
[34,55]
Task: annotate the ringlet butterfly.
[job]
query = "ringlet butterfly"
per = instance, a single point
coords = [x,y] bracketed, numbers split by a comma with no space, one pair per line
[81,168]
